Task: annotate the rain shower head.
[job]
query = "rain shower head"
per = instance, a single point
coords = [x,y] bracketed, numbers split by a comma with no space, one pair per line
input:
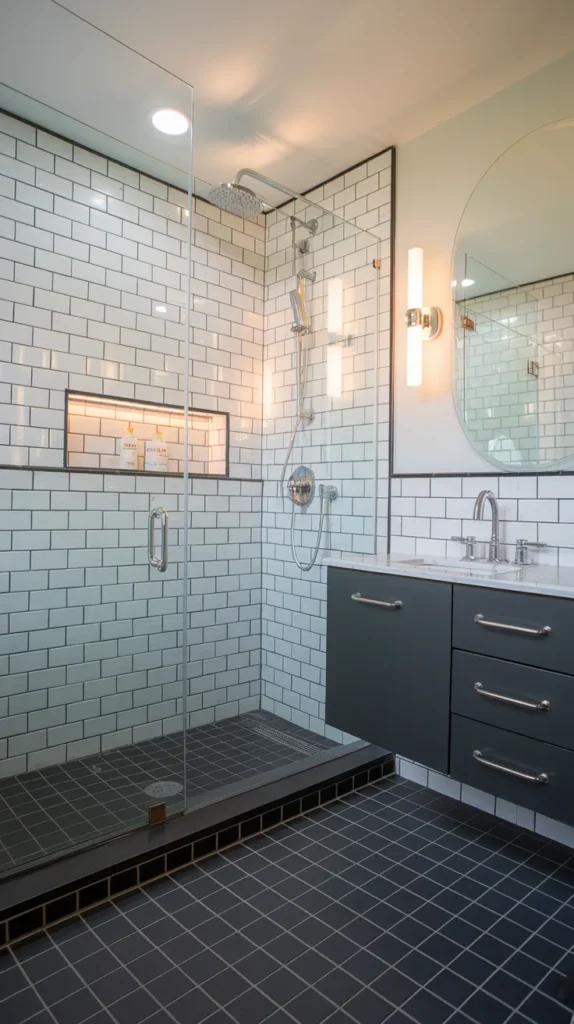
[236,199]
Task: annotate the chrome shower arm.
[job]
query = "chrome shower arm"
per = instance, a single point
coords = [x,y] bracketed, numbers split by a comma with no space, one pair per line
[267,181]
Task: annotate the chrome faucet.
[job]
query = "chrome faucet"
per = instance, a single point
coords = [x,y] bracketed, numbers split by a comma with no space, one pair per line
[494,546]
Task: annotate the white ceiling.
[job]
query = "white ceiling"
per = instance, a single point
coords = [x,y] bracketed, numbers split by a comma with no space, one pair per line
[69,77]
[305,88]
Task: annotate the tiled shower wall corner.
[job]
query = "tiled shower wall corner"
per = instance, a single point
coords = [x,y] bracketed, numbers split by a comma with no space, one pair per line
[90,651]
[425,513]
[339,444]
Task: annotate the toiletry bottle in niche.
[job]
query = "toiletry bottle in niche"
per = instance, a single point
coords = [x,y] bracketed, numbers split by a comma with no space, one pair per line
[156,454]
[128,449]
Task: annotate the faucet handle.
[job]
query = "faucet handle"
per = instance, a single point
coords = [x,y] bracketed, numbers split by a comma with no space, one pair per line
[522,546]
[469,543]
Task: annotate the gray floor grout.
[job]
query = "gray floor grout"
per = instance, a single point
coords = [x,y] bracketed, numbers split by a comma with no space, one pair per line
[351,811]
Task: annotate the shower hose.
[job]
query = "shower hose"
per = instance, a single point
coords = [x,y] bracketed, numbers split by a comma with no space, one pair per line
[327,494]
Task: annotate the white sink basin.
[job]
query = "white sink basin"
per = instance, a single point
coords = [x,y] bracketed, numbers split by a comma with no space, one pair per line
[459,566]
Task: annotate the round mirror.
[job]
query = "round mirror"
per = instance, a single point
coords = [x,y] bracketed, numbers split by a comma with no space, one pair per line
[513,290]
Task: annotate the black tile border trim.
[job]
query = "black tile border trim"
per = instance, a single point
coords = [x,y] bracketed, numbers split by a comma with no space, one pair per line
[129,472]
[206,831]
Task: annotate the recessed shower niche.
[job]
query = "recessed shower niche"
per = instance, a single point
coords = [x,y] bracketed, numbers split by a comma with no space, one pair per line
[97,428]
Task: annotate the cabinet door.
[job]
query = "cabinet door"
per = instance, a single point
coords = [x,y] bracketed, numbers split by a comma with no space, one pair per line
[388,662]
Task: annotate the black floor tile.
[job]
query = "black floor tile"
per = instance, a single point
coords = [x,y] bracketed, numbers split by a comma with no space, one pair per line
[290,928]
[427,1008]
[249,1008]
[310,1007]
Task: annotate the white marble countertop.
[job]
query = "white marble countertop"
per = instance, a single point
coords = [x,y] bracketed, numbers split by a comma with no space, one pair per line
[533,579]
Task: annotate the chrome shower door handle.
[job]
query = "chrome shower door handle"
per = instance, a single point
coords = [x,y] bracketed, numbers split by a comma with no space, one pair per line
[157,561]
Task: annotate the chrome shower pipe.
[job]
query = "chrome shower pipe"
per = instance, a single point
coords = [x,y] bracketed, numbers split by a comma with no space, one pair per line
[312,226]
[267,181]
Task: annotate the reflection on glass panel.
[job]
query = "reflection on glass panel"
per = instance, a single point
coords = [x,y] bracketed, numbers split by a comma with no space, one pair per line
[513,288]
[93,322]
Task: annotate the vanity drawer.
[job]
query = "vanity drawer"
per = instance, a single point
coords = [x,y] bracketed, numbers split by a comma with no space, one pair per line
[530,701]
[527,628]
[527,772]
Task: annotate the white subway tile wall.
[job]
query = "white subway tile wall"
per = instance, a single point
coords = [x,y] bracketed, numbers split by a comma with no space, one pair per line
[346,444]
[501,399]
[426,512]
[93,297]
[93,293]
[90,648]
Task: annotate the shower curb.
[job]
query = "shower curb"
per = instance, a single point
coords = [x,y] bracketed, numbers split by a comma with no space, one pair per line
[205,832]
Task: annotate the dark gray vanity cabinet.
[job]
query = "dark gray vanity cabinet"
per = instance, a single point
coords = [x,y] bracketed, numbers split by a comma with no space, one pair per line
[512,722]
[388,662]
[476,682]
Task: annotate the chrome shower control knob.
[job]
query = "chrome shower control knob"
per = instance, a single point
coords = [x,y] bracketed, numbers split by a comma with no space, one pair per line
[301,486]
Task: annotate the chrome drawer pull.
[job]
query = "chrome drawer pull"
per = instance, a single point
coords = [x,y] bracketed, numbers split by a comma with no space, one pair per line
[506,627]
[393,605]
[541,777]
[528,705]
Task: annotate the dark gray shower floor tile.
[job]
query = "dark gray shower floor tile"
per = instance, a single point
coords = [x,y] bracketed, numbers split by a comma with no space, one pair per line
[43,813]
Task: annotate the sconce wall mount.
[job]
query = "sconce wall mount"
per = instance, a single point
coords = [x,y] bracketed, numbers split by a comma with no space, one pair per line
[428,318]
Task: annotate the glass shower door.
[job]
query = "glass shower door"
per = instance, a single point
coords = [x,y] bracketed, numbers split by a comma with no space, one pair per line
[94,322]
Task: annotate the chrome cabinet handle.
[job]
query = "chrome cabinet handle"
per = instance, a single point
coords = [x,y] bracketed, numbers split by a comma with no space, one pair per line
[541,777]
[157,561]
[393,605]
[507,628]
[528,705]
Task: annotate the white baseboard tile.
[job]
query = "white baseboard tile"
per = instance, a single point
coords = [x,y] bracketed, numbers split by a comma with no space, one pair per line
[504,809]
[556,830]
[443,784]
[476,798]
[413,772]
[515,814]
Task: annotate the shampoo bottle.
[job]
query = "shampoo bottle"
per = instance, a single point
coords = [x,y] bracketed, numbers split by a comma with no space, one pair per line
[156,454]
[129,449]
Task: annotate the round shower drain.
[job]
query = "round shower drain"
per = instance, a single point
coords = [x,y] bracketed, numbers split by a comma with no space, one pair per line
[163,789]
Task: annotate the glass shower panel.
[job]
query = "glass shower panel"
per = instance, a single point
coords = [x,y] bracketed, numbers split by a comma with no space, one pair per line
[94,282]
[339,266]
[251,721]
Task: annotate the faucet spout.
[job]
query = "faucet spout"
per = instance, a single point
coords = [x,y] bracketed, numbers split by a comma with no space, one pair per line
[478,513]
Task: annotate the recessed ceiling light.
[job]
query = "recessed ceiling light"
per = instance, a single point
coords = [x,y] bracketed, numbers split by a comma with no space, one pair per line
[466,283]
[171,122]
